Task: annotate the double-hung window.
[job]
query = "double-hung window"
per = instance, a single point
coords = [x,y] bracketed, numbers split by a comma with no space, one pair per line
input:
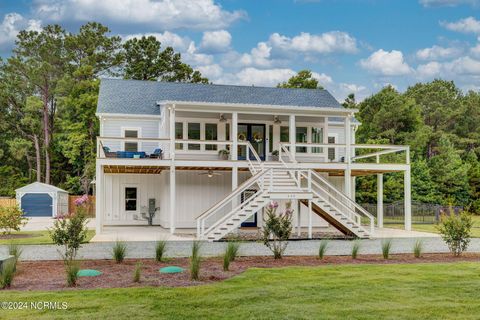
[131,146]
[193,134]
[131,195]
[211,134]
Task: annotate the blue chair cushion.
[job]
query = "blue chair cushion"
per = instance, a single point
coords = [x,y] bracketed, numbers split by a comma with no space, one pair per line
[157,151]
[130,154]
[106,149]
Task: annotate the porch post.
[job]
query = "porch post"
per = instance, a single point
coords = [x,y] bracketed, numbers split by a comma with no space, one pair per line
[234,137]
[235,201]
[407,199]
[99,194]
[380,200]
[172,171]
[299,222]
[310,217]
[348,171]
[292,134]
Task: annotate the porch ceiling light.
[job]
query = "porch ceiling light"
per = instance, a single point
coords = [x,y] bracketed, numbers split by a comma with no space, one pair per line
[209,174]
[276,120]
[222,118]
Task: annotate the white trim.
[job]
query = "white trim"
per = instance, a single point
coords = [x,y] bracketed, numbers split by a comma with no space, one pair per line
[127,115]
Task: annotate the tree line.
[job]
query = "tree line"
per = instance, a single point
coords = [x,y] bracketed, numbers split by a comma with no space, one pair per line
[48,97]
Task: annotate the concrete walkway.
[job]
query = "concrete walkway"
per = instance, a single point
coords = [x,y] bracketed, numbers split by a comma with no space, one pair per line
[146,249]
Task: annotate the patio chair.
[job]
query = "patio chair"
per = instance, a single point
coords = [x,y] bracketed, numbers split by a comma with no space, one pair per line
[157,154]
[108,153]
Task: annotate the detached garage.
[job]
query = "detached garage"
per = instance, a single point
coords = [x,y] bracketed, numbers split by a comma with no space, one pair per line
[42,200]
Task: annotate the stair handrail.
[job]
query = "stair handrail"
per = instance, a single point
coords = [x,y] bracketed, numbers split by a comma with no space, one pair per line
[242,187]
[348,199]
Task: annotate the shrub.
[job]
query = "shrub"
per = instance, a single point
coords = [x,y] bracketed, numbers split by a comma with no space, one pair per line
[195,260]
[72,267]
[160,250]
[7,273]
[277,229]
[15,250]
[355,249]
[119,251]
[322,249]
[69,231]
[11,219]
[418,248]
[455,231]
[230,254]
[386,246]
[137,272]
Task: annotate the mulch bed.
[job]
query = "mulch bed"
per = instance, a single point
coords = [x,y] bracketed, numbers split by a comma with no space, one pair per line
[50,275]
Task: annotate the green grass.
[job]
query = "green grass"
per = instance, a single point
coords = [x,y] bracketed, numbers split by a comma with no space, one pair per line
[39,237]
[432,227]
[395,291]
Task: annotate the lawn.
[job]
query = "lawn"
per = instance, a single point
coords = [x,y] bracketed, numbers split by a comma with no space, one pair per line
[395,291]
[432,227]
[37,237]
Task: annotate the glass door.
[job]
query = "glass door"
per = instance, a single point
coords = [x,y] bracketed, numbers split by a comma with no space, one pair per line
[255,134]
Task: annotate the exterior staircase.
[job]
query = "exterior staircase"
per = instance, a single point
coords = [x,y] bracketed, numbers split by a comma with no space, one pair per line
[274,181]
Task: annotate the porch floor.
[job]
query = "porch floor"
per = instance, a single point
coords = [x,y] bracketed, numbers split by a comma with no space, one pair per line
[155,233]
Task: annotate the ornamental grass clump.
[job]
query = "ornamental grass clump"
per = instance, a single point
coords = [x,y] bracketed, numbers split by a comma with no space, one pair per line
[137,272]
[277,228]
[355,249]
[7,273]
[322,249]
[418,248]
[195,261]
[456,231]
[386,247]
[230,254]
[119,251]
[72,267]
[160,247]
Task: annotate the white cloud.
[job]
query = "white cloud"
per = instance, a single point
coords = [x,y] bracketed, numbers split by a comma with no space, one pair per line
[437,52]
[258,56]
[387,63]
[213,71]
[429,70]
[12,24]
[216,41]
[328,42]
[466,25]
[165,14]
[464,66]
[263,77]
[475,51]
[191,56]
[447,3]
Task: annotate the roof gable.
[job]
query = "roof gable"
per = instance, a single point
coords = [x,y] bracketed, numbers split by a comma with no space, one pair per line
[39,187]
[141,97]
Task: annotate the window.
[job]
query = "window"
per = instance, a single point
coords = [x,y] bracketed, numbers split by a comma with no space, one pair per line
[331,151]
[178,134]
[284,134]
[131,146]
[317,137]
[301,133]
[270,138]
[130,199]
[227,131]
[194,134]
[211,134]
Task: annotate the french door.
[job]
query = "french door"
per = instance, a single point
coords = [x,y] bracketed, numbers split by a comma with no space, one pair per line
[255,134]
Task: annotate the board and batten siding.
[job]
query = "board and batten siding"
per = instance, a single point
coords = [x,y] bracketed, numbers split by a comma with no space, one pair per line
[113,127]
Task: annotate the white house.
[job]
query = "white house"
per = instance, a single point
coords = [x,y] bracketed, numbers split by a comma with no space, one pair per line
[159,149]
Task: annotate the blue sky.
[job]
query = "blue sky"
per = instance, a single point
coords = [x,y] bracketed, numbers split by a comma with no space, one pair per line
[351,46]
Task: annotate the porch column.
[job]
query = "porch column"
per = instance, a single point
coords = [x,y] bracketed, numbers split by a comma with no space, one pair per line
[310,219]
[380,200]
[99,194]
[407,199]
[292,134]
[235,201]
[234,137]
[173,199]
[348,142]
[299,222]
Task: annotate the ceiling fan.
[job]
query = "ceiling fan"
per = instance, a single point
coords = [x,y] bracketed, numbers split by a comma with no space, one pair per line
[209,173]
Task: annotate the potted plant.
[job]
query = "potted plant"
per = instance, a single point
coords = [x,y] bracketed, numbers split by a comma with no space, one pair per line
[275,155]
[223,154]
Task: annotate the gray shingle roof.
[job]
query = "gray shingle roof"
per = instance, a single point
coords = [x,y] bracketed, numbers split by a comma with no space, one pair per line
[140,97]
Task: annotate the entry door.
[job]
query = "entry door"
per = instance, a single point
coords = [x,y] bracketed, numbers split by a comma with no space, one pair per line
[255,133]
